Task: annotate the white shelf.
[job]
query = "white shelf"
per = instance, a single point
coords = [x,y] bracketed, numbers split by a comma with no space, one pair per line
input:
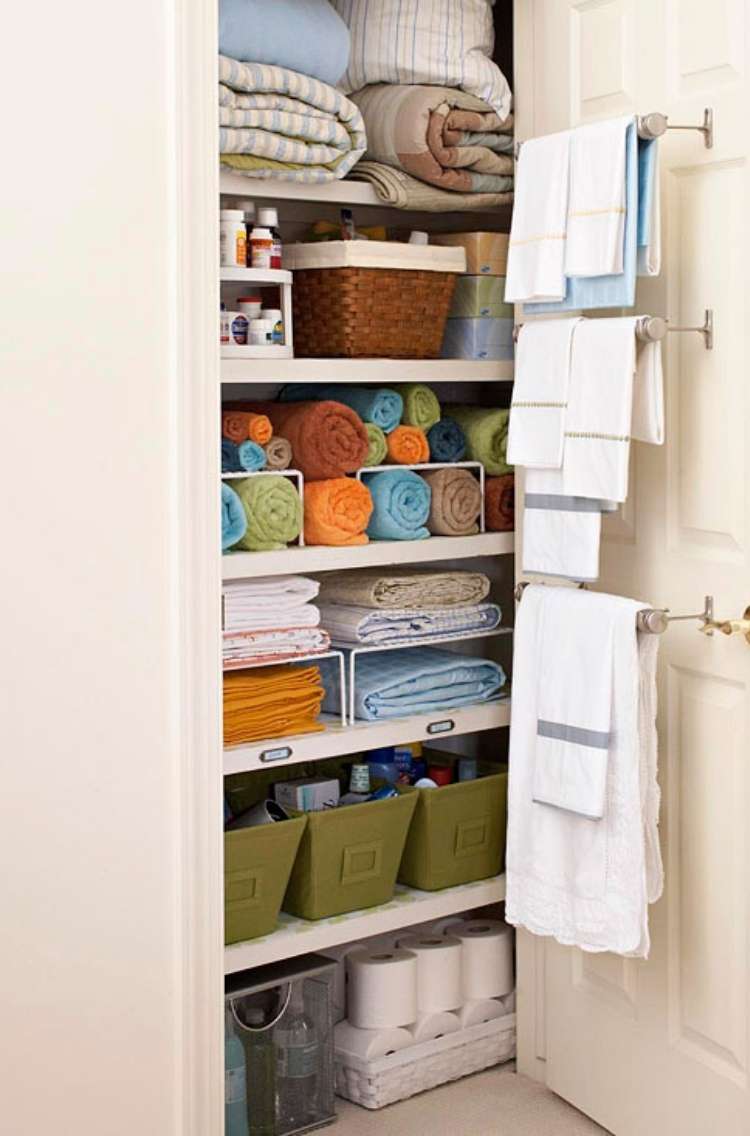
[338,740]
[383,371]
[269,355]
[339,192]
[267,276]
[376,554]
[408,906]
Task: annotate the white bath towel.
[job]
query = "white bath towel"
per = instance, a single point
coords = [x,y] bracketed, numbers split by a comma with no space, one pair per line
[648,395]
[596,202]
[587,882]
[561,533]
[540,393]
[536,253]
[269,601]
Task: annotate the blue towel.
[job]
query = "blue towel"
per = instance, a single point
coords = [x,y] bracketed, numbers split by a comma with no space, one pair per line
[647,155]
[308,36]
[381,405]
[230,459]
[233,518]
[401,505]
[418,680]
[252,457]
[447,441]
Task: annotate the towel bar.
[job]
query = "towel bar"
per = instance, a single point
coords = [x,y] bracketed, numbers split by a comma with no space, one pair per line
[656,124]
[650,329]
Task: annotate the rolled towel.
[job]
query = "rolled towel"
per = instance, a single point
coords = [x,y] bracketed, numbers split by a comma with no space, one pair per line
[380,405]
[378,450]
[499,503]
[241,425]
[252,456]
[486,434]
[407,445]
[328,439]
[278,453]
[456,502]
[401,505]
[233,519]
[273,511]
[230,459]
[446,441]
[421,406]
[337,511]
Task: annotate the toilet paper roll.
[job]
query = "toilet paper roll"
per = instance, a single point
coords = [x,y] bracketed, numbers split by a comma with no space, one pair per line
[438,927]
[487,959]
[382,990]
[428,1027]
[482,1010]
[369,1043]
[340,977]
[439,959]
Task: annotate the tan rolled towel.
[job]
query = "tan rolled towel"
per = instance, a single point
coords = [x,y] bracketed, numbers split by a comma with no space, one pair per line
[278,453]
[456,502]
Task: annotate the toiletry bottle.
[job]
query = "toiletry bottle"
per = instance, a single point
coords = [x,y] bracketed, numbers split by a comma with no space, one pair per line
[235,1082]
[299,1058]
[269,219]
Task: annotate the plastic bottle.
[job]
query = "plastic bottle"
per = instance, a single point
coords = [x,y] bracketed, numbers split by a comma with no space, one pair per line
[260,1059]
[269,219]
[299,1057]
[261,247]
[232,238]
[235,1082]
[249,222]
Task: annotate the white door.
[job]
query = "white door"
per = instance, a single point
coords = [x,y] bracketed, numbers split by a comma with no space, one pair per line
[661,1048]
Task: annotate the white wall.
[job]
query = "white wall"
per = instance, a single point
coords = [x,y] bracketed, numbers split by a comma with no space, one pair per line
[89,951]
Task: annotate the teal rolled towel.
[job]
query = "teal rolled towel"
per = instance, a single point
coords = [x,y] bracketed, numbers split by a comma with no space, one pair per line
[233,518]
[401,505]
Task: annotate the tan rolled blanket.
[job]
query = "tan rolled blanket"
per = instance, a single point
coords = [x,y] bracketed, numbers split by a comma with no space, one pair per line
[456,502]
[400,190]
[410,588]
[278,453]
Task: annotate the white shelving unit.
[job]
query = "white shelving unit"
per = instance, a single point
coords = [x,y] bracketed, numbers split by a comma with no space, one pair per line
[262,278]
[378,371]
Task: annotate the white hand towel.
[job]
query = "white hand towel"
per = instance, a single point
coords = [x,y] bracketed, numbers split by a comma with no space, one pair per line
[649,255]
[536,253]
[648,395]
[596,204]
[561,533]
[540,393]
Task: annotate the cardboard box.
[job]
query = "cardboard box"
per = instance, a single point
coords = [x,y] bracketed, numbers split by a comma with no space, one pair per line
[308,794]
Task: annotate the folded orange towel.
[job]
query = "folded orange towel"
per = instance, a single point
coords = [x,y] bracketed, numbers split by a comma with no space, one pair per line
[408,445]
[239,425]
[271,702]
[337,511]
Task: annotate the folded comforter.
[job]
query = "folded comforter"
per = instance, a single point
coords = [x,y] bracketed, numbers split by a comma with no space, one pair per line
[400,505]
[486,433]
[411,587]
[269,602]
[445,137]
[240,648]
[271,702]
[328,439]
[273,511]
[366,626]
[456,502]
[402,191]
[380,405]
[278,123]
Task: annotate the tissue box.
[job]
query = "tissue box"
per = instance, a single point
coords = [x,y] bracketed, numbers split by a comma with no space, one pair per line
[307,795]
[480,297]
[478,339]
[486,253]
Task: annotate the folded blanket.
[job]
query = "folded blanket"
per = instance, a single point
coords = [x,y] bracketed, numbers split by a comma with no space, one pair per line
[378,448]
[456,502]
[446,440]
[271,702]
[407,445]
[412,588]
[421,406]
[401,191]
[306,35]
[240,425]
[401,505]
[278,453]
[444,137]
[370,627]
[273,510]
[337,512]
[381,406]
[393,684]
[328,439]
[499,503]
[233,519]
[486,434]
[239,648]
[269,602]
[278,123]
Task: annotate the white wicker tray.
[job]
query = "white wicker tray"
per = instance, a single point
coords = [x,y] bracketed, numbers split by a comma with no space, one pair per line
[384,1080]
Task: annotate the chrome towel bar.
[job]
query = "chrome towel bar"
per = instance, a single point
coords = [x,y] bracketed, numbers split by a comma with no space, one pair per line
[655,124]
[650,329]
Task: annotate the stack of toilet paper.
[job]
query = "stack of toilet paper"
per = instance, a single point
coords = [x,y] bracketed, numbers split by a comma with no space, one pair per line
[397,990]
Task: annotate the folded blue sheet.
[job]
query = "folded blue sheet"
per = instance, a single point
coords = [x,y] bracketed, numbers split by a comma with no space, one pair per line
[447,441]
[401,505]
[382,406]
[307,36]
[417,680]
[233,518]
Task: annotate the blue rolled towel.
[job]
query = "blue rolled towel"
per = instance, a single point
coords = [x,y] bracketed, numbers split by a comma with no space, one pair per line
[230,459]
[233,518]
[380,405]
[251,455]
[401,505]
[447,441]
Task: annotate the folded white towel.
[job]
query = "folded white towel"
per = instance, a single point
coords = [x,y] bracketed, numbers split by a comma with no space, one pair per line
[540,393]
[536,253]
[596,203]
[648,395]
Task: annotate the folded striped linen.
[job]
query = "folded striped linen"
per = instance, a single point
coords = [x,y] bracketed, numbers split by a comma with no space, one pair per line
[328,439]
[242,647]
[445,137]
[486,433]
[456,502]
[400,505]
[273,511]
[414,681]
[269,602]
[446,441]
[233,518]
[380,405]
[271,702]
[410,588]
[277,123]
[402,191]
[349,624]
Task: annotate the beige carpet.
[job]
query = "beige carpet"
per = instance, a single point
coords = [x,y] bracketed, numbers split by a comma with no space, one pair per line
[495,1103]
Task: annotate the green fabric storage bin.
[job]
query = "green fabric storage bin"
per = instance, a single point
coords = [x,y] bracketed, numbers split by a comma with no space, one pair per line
[257,865]
[349,857]
[457,835]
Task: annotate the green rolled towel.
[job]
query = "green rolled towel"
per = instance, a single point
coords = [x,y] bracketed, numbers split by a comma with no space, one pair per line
[273,510]
[421,406]
[486,436]
[378,447]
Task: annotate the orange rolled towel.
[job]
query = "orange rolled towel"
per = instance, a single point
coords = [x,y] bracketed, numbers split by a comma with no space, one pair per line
[499,503]
[408,445]
[328,439]
[337,511]
[239,425]
[271,702]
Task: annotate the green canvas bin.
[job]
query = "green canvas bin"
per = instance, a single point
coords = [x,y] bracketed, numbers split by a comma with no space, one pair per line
[457,835]
[349,857]
[257,865]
